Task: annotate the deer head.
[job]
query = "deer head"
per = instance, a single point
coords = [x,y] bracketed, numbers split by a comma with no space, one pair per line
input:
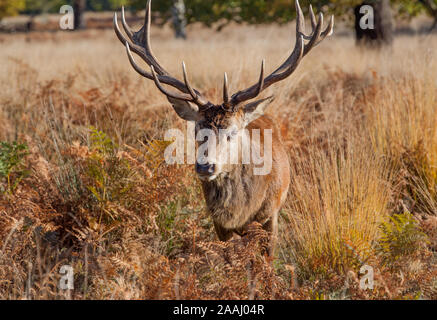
[234,113]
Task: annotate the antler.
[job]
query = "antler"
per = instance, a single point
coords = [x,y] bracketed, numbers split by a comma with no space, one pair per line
[289,66]
[140,44]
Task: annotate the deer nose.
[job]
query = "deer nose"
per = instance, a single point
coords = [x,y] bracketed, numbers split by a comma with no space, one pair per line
[205,169]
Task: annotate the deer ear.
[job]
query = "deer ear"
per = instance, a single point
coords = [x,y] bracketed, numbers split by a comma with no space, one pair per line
[254,110]
[186,110]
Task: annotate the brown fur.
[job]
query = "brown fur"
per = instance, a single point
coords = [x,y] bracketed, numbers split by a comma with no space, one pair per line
[240,197]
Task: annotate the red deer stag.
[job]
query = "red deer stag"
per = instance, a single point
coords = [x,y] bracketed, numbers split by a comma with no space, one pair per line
[234,194]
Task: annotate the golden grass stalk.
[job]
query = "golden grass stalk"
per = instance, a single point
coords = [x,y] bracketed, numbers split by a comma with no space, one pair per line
[337,201]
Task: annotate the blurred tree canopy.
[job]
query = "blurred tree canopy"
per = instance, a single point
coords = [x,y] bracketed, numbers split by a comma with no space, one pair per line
[10,7]
[52,6]
[35,7]
[204,11]
[409,9]
[209,12]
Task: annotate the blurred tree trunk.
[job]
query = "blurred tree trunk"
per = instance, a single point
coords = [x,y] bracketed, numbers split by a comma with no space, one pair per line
[377,30]
[431,7]
[79,7]
[179,18]
[30,25]
[434,24]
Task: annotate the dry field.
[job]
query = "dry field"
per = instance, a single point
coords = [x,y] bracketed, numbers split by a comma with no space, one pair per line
[85,184]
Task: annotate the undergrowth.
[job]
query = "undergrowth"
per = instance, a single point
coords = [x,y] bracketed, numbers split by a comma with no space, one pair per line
[84,183]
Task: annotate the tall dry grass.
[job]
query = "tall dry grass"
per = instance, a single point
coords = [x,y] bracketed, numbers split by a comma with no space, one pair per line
[360,127]
[404,130]
[338,201]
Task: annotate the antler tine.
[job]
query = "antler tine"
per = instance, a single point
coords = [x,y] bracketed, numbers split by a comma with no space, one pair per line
[329,29]
[179,96]
[143,36]
[289,65]
[187,83]
[126,27]
[285,70]
[253,91]
[312,17]
[164,79]
[139,50]
[140,40]
[135,48]
[225,90]
[134,64]
[314,24]
[326,33]
[200,101]
[195,95]
[300,50]
[315,36]
[300,19]
[261,78]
